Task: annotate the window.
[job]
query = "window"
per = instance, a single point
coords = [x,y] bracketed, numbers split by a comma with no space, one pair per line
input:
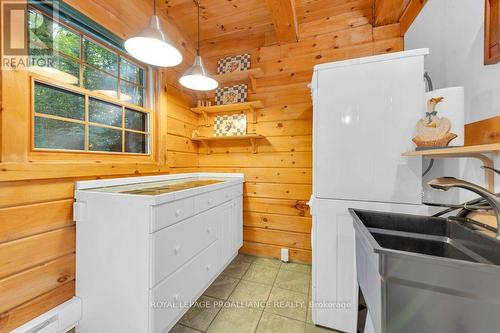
[70,120]
[86,96]
[492,32]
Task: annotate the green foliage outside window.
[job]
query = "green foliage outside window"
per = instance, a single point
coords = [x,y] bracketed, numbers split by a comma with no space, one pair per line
[60,118]
[58,102]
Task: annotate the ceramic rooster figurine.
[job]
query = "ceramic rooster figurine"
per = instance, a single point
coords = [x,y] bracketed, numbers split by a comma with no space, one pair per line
[433,131]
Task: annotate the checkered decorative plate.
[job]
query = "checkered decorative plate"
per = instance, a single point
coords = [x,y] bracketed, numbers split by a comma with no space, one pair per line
[230,125]
[236,63]
[231,95]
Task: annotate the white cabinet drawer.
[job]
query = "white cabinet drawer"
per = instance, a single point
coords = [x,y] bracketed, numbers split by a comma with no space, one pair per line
[175,245]
[172,212]
[214,198]
[170,296]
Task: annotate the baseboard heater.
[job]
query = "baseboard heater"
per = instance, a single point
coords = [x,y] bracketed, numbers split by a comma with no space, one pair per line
[60,319]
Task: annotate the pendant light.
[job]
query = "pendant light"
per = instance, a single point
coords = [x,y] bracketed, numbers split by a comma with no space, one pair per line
[196,77]
[152,46]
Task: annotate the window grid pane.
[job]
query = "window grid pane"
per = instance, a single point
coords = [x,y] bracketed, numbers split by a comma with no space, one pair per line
[136,143]
[44,33]
[105,113]
[131,72]
[105,139]
[59,102]
[122,130]
[100,82]
[131,93]
[100,57]
[136,120]
[58,134]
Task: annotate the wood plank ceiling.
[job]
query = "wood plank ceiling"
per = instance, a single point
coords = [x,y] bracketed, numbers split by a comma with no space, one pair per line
[295,19]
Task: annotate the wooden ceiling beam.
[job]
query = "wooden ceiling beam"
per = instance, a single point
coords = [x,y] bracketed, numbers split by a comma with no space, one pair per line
[284,19]
[388,11]
[411,12]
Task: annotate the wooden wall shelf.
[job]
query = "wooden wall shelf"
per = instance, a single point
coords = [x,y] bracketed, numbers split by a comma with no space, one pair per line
[476,151]
[207,139]
[249,75]
[246,106]
[457,151]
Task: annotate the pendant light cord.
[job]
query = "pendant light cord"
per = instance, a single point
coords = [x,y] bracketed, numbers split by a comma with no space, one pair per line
[198,49]
[154,7]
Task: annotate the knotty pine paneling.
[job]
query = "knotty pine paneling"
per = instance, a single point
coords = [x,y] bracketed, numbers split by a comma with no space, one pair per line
[279,176]
[343,21]
[24,312]
[277,160]
[25,253]
[269,144]
[26,220]
[37,233]
[270,175]
[287,207]
[40,279]
[269,250]
[295,240]
[486,131]
[278,222]
[278,191]
[37,237]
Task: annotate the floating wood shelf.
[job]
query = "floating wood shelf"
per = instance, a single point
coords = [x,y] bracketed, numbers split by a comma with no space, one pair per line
[457,151]
[207,139]
[246,106]
[247,75]
[477,151]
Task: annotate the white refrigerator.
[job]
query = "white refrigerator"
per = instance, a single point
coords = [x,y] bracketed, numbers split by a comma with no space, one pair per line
[365,111]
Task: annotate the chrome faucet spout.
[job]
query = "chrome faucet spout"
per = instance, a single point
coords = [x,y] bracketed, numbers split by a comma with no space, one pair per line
[445,183]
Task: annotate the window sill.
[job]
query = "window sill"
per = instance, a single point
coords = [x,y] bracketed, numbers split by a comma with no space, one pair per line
[37,170]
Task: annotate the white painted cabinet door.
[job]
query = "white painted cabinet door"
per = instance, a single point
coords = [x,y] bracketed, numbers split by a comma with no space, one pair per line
[227,230]
[239,222]
[364,118]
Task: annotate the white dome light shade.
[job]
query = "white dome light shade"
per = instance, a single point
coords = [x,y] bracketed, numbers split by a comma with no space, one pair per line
[151,46]
[197,78]
[198,82]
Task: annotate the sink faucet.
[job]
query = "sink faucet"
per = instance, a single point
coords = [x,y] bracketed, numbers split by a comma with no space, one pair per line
[445,183]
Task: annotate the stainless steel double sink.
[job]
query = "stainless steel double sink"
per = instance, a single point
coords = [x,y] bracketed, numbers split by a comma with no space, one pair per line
[425,274]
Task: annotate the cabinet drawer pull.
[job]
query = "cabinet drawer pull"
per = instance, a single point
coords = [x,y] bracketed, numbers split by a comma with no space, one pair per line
[209,201]
[209,229]
[177,249]
[209,267]
[176,297]
[178,212]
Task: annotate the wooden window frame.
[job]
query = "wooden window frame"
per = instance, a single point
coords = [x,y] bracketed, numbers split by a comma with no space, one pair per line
[149,100]
[87,94]
[491,32]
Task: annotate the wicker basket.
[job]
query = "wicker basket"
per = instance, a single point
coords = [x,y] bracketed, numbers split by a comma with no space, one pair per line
[443,142]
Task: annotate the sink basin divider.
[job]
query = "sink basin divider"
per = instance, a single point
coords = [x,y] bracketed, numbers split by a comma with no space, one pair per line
[443,239]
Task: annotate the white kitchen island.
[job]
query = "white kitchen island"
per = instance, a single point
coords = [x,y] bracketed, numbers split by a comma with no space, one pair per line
[149,246]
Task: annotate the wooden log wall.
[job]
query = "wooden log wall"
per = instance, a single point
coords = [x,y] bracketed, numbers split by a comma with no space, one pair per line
[278,176]
[37,232]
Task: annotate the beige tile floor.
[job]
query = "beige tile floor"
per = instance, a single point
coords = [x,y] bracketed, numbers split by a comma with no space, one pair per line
[259,295]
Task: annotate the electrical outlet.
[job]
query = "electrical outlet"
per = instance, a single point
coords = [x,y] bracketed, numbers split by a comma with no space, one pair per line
[284,255]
